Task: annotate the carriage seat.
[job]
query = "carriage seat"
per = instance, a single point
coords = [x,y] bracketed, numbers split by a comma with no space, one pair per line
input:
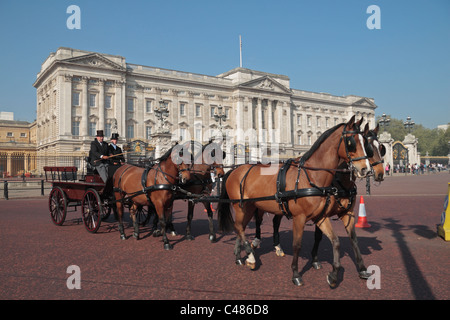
[90,168]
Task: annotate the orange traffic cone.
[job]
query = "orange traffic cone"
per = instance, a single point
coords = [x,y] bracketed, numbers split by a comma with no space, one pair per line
[362,219]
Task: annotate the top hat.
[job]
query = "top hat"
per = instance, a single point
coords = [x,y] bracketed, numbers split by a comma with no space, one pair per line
[115,136]
[100,133]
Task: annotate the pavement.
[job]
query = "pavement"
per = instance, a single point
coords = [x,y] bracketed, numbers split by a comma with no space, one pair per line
[402,244]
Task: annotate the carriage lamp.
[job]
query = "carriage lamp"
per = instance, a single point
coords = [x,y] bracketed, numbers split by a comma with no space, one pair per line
[409,124]
[384,121]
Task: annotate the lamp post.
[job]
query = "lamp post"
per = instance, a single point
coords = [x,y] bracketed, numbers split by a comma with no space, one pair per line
[384,121]
[162,113]
[409,124]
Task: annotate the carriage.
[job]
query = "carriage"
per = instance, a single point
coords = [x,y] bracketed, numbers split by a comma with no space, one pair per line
[88,192]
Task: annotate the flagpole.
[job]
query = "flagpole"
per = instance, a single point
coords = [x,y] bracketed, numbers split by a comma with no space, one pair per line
[240,50]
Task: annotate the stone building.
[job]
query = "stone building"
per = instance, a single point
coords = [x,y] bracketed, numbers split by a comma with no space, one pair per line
[17,146]
[79,92]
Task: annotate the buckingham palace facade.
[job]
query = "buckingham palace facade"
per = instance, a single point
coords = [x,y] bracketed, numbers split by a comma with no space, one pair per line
[79,92]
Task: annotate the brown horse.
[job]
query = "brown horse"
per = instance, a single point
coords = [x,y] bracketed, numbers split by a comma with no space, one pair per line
[207,159]
[251,188]
[344,181]
[345,204]
[153,186]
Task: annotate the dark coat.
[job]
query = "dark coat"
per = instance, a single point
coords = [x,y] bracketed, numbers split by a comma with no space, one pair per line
[98,150]
[115,160]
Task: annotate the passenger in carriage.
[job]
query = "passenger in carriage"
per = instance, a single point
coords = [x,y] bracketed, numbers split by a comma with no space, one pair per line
[98,155]
[115,153]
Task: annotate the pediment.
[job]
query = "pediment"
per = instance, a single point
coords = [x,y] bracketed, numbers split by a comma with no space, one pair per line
[183,124]
[364,102]
[266,83]
[95,60]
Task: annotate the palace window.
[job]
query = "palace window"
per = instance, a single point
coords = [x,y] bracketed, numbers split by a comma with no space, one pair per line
[108,129]
[182,109]
[130,104]
[148,106]
[130,131]
[92,98]
[76,99]
[198,135]
[92,128]
[198,111]
[108,100]
[148,132]
[182,134]
[76,128]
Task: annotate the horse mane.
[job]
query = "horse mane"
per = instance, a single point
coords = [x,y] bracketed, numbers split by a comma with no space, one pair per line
[319,141]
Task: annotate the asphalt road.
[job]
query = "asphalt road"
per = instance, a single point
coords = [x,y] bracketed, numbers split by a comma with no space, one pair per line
[402,242]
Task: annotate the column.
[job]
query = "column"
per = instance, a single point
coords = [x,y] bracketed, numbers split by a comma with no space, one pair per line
[250,113]
[119,107]
[101,105]
[259,117]
[269,121]
[239,128]
[84,108]
[65,105]
[280,122]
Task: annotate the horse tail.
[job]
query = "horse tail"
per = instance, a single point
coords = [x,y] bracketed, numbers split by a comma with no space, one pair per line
[223,210]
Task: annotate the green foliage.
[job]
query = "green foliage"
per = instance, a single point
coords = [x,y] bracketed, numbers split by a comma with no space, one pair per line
[433,141]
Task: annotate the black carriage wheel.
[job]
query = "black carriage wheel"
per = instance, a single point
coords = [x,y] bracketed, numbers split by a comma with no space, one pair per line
[57,204]
[91,209]
[142,215]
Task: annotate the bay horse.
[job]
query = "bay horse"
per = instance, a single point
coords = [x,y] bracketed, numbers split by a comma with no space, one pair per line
[345,204]
[207,160]
[153,186]
[344,181]
[250,188]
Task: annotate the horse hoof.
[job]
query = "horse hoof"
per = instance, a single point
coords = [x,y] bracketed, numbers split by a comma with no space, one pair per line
[239,262]
[317,265]
[212,238]
[332,281]
[174,233]
[251,265]
[136,236]
[122,237]
[190,238]
[255,243]
[168,246]
[157,233]
[297,281]
[279,252]
[364,275]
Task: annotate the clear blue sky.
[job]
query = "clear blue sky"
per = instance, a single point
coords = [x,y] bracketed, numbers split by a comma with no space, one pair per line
[323,45]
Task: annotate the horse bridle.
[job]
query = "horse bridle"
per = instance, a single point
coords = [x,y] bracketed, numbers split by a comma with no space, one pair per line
[372,136]
[350,142]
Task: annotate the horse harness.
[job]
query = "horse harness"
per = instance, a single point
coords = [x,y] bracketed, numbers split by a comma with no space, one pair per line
[148,189]
[335,189]
[283,196]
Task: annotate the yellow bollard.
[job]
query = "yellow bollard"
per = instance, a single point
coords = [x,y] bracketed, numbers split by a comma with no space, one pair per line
[443,229]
